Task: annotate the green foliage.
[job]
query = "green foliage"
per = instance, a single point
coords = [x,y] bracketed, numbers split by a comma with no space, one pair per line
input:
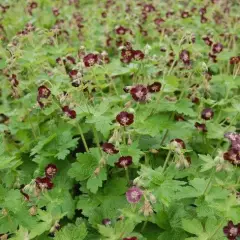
[57,179]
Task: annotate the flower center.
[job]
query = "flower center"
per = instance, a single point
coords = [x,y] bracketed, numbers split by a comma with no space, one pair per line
[135,195]
[124,120]
[233,231]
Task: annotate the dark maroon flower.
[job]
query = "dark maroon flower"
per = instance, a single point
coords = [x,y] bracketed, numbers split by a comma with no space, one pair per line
[69,112]
[90,59]
[127,55]
[201,127]
[179,142]
[147,8]
[55,11]
[179,118]
[185,56]
[139,93]
[43,92]
[109,148]
[130,238]
[124,161]
[50,170]
[235,140]
[13,80]
[207,114]
[44,183]
[106,222]
[202,11]
[3,118]
[128,45]
[169,14]
[194,99]
[207,40]
[213,57]
[185,14]
[121,30]
[134,194]
[73,74]
[33,5]
[158,21]
[234,60]
[203,19]
[125,118]
[71,59]
[154,87]
[138,55]
[217,48]
[232,231]
[233,156]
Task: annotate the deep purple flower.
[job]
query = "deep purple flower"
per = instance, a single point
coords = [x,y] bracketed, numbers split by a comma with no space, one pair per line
[121,30]
[50,170]
[127,55]
[213,57]
[43,92]
[207,114]
[147,8]
[139,93]
[138,55]
[55,11]
[124,161]
[179,142]
[201,127]
[232,231]
[185,14]
[179,118]
[185,57]
[207,40]
[134,194]
[154,87]
[73,74]
[109,148]
[158,21]
[106,222]
[234,60]
[217,48]
[13,80]
[233,156]
[125,118]
[69,112]
[90,59]
[44,183]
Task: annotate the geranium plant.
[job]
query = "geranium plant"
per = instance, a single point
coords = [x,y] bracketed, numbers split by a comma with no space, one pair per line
[119,120]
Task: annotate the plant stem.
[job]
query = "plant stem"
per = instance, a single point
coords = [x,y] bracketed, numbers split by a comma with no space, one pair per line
[83,138]
[167,159]
[209,182]
[144,226]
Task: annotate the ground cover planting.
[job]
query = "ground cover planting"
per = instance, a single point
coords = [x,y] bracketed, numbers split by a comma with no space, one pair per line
[119,120]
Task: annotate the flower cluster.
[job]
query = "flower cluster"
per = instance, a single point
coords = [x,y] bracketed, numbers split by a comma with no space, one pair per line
[43,93]
[233,154]
[128,54]
[46,182]
[232,231]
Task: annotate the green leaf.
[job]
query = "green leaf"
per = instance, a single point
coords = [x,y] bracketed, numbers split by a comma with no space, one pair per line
[84,167]
[95,181]
[77,231]
[193,226]
[133,151]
